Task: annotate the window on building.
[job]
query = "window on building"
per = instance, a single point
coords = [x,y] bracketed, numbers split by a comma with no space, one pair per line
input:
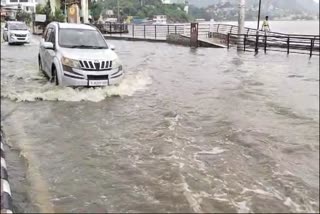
[13,0]
[23,0]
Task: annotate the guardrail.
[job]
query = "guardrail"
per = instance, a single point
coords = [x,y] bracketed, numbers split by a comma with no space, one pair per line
[156,32]
[6,199]
[233,29]
[283,43]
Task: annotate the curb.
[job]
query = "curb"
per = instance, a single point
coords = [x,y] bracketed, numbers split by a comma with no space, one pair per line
[6,199]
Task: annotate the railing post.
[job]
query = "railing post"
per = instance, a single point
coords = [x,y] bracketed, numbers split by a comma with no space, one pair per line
[228,40]
[231,29]
[257,41]
[265,43]
[175,29]
[155,31]
[168,29]
[311,47]
[144,31]
[218,28]
[288,45]
[110,28]
[133,30]
[244,42]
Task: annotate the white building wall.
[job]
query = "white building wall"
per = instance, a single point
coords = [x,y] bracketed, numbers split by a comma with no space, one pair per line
[173,1]
[27,5]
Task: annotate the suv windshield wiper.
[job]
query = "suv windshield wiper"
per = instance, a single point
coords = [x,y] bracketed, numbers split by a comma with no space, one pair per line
[87,46]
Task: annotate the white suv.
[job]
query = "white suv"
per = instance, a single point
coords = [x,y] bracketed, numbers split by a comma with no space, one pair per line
[78,55]
[16,33]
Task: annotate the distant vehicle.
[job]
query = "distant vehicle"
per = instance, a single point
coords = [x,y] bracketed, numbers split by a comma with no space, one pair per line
[15,32]
[78,55]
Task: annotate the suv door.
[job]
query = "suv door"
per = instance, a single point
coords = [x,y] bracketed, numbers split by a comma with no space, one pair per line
[48,54]
[51,54]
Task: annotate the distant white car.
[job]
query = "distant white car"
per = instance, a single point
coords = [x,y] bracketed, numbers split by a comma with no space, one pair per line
[16,33]
[78,55]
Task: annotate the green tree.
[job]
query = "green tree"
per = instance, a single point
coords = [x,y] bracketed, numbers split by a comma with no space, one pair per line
[58,16]
[23,16]
[40,9]
[96,9]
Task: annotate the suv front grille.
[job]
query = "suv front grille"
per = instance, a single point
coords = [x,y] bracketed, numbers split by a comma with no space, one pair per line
[20,35]
[95,65]
[97,77]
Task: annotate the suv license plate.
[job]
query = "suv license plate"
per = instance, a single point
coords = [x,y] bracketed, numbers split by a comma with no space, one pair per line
[98,82]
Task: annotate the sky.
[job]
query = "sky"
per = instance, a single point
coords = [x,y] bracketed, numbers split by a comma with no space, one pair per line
[316,1]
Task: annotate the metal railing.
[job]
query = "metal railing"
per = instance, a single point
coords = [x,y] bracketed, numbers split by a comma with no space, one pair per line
[233,29]
[155,32]
[283,43]
[112,28]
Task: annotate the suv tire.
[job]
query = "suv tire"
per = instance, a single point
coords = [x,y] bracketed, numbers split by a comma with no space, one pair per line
[54,78]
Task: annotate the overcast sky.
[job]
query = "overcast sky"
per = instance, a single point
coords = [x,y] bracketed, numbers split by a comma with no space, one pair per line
[316,1]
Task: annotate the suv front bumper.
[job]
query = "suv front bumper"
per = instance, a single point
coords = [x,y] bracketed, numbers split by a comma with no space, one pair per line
[111,77]
[14,39]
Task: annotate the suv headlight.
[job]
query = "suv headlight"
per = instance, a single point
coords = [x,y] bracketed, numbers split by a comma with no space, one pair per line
[116,63]
[70,62]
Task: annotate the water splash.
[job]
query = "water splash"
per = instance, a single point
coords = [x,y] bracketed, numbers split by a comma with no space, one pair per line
[130,84]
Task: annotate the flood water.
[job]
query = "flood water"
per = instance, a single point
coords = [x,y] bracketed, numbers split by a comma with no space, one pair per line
[206,130]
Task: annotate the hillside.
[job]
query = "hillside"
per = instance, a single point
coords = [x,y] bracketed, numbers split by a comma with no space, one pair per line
[295,5]
[227,10]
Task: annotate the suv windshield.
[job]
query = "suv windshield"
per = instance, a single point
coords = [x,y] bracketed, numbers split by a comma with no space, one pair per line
[81,38]
[18,26]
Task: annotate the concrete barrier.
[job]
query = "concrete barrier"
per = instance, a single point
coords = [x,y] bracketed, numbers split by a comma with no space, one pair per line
[6,199]
[178,39]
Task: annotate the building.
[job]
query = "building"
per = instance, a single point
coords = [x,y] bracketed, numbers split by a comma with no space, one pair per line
[64,5]
[26,5]
[173,1]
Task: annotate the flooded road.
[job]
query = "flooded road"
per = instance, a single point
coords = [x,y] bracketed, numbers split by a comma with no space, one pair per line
[205,130]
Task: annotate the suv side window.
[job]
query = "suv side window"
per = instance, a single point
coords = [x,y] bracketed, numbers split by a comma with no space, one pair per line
[52,36]
[47,35]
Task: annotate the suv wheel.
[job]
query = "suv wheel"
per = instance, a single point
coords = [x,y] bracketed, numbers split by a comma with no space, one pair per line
[40,64]
[54,78]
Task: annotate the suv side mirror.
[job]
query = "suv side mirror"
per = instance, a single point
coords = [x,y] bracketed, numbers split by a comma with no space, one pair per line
[112,47]
[48,45]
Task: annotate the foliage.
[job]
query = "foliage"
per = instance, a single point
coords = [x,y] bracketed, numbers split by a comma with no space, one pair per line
[24,16]
[96,10]
[140,9]
[58,16]
[39,9]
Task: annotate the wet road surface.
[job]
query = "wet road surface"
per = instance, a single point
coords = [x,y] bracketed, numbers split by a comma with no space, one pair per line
[205,130]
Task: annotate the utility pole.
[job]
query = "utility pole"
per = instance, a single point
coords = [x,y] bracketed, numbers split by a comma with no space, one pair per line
[257,36]
[65,11]
[118,7]
[259,15]
[241,18]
